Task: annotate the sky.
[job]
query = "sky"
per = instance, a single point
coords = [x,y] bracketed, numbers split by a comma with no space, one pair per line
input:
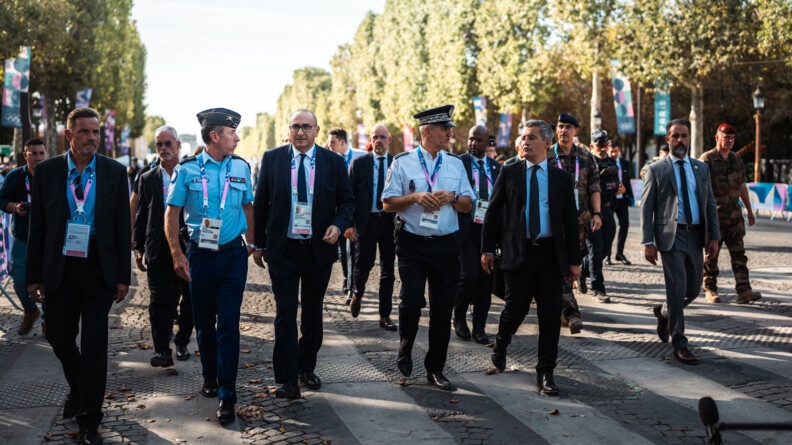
[237,54]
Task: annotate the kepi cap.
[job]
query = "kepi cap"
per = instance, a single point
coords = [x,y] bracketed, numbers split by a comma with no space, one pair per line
[599,137]
[564,118]
[726,129]
[219,116]
[436,116]
[491,141]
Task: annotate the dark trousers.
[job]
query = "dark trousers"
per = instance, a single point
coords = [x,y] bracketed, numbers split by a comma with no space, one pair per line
[218,281]
[683,269]
[437,262]
[82,299]
[592,261]
[537,279]
[379,233]
[475,285]
[343,255]
[170,300]
[622,211]
[297,270]
[608,229]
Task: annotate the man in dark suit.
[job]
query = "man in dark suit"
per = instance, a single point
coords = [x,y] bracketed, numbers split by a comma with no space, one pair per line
[372,226]
[165,285]
[475,286]
[78,259]
[539,246]
[303,204]
[679,218]
[624,200]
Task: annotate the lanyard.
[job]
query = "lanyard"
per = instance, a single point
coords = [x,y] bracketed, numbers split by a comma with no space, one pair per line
[27,184]
[347,158]
[80,203]
[205,188]
[618,163]
[487,172]
[430,179]
[312,176]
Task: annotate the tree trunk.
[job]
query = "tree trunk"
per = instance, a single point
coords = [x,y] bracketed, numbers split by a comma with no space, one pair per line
[596,90]
[696,120]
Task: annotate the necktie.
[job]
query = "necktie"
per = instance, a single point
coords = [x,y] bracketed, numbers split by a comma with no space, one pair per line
[533,224]
[78,191]
[685,195]
[302,187]
[482,189]
[380,181]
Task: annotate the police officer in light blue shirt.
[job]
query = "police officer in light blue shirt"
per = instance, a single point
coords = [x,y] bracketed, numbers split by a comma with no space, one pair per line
[426,188]
[215,191]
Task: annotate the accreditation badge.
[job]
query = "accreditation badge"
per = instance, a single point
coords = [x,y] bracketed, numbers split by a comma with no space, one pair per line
[430,219]
[78,237]
[481,210]
[302,219]
[209,234]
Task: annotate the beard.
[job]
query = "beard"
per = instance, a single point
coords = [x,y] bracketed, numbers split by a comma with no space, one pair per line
[680,151]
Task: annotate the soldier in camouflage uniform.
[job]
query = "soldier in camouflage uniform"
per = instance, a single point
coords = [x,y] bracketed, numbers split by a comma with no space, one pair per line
[728,184]
[580,164]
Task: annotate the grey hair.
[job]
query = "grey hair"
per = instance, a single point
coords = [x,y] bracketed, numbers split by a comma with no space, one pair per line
[544,128]
[305,110]
[167,128]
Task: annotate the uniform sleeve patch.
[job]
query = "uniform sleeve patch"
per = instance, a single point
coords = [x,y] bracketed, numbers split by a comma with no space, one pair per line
[238,180]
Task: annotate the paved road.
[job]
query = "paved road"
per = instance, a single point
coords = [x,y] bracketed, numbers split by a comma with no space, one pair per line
[619,384]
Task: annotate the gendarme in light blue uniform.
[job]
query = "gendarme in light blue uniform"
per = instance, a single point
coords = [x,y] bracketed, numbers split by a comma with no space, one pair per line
[186,191]
[407,175]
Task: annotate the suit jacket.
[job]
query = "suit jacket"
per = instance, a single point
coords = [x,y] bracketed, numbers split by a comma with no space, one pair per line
[508,198]
[50,213]
[361,177]
[466,219]
[660,204]
[149,231]
[333,203]
[626,168]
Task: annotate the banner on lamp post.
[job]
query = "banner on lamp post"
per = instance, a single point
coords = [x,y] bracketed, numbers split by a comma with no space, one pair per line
[15,81]
[125,140]
[662,109]
[362,136]
[480,109]
[622,100]
[83,98]
[109,122]
[504,130]
[407,135]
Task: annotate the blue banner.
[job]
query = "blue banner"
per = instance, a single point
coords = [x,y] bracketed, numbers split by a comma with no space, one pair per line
[480,109]
[83,98]
[622,100]
[125,140]
[504,130]
[16,79]
[662,109]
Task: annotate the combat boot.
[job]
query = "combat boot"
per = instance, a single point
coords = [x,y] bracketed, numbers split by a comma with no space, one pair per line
[747,296]
[712,296]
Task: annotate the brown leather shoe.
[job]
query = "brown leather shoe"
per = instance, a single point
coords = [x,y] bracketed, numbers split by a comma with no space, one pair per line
[354,306]
[712,295]
[575,325]
[685,356]
[27,323]
[747,296]
[662,323]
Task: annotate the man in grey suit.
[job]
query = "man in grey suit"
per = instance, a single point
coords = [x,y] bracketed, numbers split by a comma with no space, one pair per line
[678,218]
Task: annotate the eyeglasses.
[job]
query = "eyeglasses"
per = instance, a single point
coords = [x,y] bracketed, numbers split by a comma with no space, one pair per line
[168,144]
[379,136]
[295,128]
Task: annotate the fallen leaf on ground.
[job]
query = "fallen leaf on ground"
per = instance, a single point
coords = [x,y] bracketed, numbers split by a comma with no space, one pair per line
[150,420]
[245,351]
[141,406]
[554,412]
[143,346]
[171,371]
[124,388]
[491,371]
[453,401]
[110,396]
[282,429]
[167,420]
[74,434]
[188,397]
[248,365]
[255,380]
[259,395]
[245,328]
[197,353]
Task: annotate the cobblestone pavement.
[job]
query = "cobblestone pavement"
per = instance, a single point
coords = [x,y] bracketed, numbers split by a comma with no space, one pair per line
[619,384]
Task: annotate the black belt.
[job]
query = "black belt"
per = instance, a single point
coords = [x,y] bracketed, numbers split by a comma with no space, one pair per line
[237,242]
[427,239]
[689,227]
[302,242]
[538,241]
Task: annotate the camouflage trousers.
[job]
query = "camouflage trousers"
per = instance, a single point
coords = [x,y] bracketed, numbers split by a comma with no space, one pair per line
[569,304]
[732,234]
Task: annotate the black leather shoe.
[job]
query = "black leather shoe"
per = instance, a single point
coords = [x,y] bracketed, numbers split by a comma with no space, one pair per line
[404,360]
[345,288]
[607,261]
[289,390]
[162,359]
[685,356]
[387,324]
[354,306]
[461,329]
[499,357]
[582,287]
[225,412]
[662,323]
[547,385]
[480,337]
[90,436]
[436,378]
[71,407]
[182,353]
[310,380]
[622,259]
[209,389]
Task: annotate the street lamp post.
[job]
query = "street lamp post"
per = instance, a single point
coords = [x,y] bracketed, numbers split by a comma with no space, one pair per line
[36,110]
[759,104]
[597,119]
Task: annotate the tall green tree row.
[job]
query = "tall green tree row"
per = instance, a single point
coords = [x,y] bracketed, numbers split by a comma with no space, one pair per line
[78,44]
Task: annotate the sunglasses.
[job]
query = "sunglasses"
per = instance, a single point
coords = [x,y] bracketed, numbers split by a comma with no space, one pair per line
[168,144]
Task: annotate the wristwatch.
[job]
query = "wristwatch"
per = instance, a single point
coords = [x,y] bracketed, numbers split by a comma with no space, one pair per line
[252,246]
[596,214]
[456,197]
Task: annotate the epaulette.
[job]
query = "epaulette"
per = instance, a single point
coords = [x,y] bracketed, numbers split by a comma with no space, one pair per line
[401,154]
[241,159]
[187,159]
[454,155]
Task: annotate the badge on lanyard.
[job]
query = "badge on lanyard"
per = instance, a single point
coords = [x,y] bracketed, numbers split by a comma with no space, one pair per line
[430,219]
[301,222]
[481,211]
[209,235]
[78,233]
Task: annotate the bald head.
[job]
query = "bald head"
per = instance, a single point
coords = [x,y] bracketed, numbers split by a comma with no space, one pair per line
[478,139]
[380,139]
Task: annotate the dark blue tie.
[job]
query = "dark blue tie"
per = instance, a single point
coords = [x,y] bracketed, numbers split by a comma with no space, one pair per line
[302,187]
[685,194]
[534,227]
[78,191]
[380,181]
[482,189]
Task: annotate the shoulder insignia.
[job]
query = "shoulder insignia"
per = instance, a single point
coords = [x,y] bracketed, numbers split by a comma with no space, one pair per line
[237,180]
[241,159]
[454,155]
[187,159]
[405,153]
